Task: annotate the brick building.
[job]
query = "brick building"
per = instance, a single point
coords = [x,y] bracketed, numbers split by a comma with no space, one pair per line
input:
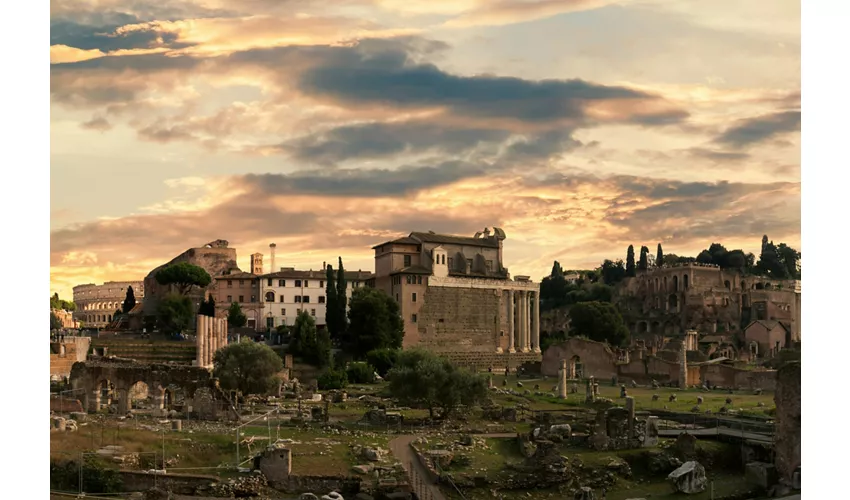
[457,297]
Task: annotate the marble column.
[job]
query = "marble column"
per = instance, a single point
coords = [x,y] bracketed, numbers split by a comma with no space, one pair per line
[524,318]
[562,380]
[199,341]
[511,321]
[535,321]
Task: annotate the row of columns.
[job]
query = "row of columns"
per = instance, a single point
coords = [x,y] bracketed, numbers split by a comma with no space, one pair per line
[211,336]
[523,321]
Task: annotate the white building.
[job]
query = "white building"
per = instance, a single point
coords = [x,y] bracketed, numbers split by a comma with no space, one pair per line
[288,291]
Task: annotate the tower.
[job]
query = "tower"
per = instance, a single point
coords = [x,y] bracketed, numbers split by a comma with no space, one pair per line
[257,263]
[272,246]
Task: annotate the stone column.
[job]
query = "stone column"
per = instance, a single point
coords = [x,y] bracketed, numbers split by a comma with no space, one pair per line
[525,330]
[535,321]
[511,322]
[94,400]
[562,380]
[199,341]
[630,407]
[683,367]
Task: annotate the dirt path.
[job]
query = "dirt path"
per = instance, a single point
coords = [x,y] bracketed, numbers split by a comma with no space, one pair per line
[416,472]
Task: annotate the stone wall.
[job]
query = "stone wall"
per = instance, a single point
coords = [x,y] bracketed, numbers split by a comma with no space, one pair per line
[63,355]
[596,358]
[460,320]
[788,420]
[181,484]
[729,376]
[60,404]
[319,485]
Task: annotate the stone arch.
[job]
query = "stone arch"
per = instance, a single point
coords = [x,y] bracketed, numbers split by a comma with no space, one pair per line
[673,303]
[138,392]
[658,302]
[656,326]
[675,283]
[759,286]
[270,296]
[656,285]
[768,286]
[727,284]
[743,285]
[665,284]
[685,281]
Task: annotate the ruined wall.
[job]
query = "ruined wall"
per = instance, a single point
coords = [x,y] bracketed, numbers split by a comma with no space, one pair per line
[788,420]
[75,349]
[460,319]
[596,358]
[305,484]
[555,320]
[214,260]
[729,376]
[181,484]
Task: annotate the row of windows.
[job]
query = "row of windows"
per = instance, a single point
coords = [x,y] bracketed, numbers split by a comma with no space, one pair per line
[312,312]
[409,278]
[298,298]
[282,283]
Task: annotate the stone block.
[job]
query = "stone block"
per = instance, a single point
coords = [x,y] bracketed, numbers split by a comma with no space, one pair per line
[761,474]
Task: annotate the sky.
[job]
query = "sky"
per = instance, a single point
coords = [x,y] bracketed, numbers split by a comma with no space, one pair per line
[578,126]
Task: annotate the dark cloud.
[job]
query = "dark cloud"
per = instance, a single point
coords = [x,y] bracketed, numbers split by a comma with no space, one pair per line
[378,140]
[97,123]
[542,146]
[759,129]
[386,75]
[718,156]
[367,183]
[106,39]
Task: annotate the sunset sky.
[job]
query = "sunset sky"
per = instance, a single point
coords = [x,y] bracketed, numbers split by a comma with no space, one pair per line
[578,126]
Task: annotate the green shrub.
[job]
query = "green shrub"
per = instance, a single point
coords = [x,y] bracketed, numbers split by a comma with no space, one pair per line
[360,372]
[97,477]
[333,379]
[382,359]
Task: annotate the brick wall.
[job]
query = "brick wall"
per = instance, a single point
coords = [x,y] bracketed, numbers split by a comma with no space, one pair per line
[459,320]
[76,349]
[596,358]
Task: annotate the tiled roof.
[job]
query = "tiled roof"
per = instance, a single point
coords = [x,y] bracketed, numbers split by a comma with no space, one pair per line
[407,240]
[239,275]
[318,275]
[769,324]
[455,240]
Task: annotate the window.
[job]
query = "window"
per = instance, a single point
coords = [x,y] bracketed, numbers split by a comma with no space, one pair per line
[229,283]
[297,283]
[281,298]
[407,278]
[241,298]
[469,263]
[444,259]
[414,297]
[321,284]
[407,261]
[269,296]
[413,318]
[306,299]
[396,297]
[321,299]
[230,298]
[489,265]
[281,282]
[269,283]
[306,283]
[241,283]
[451,262]
[312,312]
[297,299]
[283,312]
[253,298]
[419,280]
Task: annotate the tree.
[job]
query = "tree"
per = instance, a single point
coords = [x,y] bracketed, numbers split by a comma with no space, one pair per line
[374,322]
[423,378]
[129,301]
[600,321]
[65,305]
[643,264]
[235,317]
[174,312]
[331,304]
[659,257]
[184,276]
[790,258]
[207,307]
[341,300]
[557,270]
[705,257]
[630,261]
[382,359]
[55,322]
[612,272]
[360,372]
[248,367]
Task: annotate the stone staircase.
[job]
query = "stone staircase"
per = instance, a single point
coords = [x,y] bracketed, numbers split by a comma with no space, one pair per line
[148,350]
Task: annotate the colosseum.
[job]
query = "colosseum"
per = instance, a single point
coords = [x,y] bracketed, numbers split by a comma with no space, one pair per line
[97,303]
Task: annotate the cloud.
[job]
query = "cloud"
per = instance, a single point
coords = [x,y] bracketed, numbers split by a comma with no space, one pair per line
[760,129]
[387,139]
[502,12]
[98,123]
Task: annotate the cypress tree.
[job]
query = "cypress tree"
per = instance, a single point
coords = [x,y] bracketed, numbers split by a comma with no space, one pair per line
[341,299]
[331,303]
[643,264]
[659,257]
[630,261]
[129,301]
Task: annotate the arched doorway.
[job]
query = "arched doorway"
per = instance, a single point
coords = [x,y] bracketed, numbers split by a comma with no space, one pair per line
[576,368]
[685,281]
[675,283]
[673,303]
[137,394]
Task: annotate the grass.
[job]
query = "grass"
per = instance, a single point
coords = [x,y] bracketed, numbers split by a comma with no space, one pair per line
[686,399]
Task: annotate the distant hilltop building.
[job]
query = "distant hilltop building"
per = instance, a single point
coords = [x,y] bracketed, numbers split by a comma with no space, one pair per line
[457,297]
[96,304]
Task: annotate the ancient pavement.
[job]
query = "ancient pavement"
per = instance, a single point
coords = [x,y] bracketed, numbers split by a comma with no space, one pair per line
[416,472]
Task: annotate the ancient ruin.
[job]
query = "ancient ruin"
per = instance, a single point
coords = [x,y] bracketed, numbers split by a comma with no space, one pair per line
[211,335]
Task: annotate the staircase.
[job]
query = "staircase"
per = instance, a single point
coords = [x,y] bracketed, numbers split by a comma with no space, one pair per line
[148,350]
